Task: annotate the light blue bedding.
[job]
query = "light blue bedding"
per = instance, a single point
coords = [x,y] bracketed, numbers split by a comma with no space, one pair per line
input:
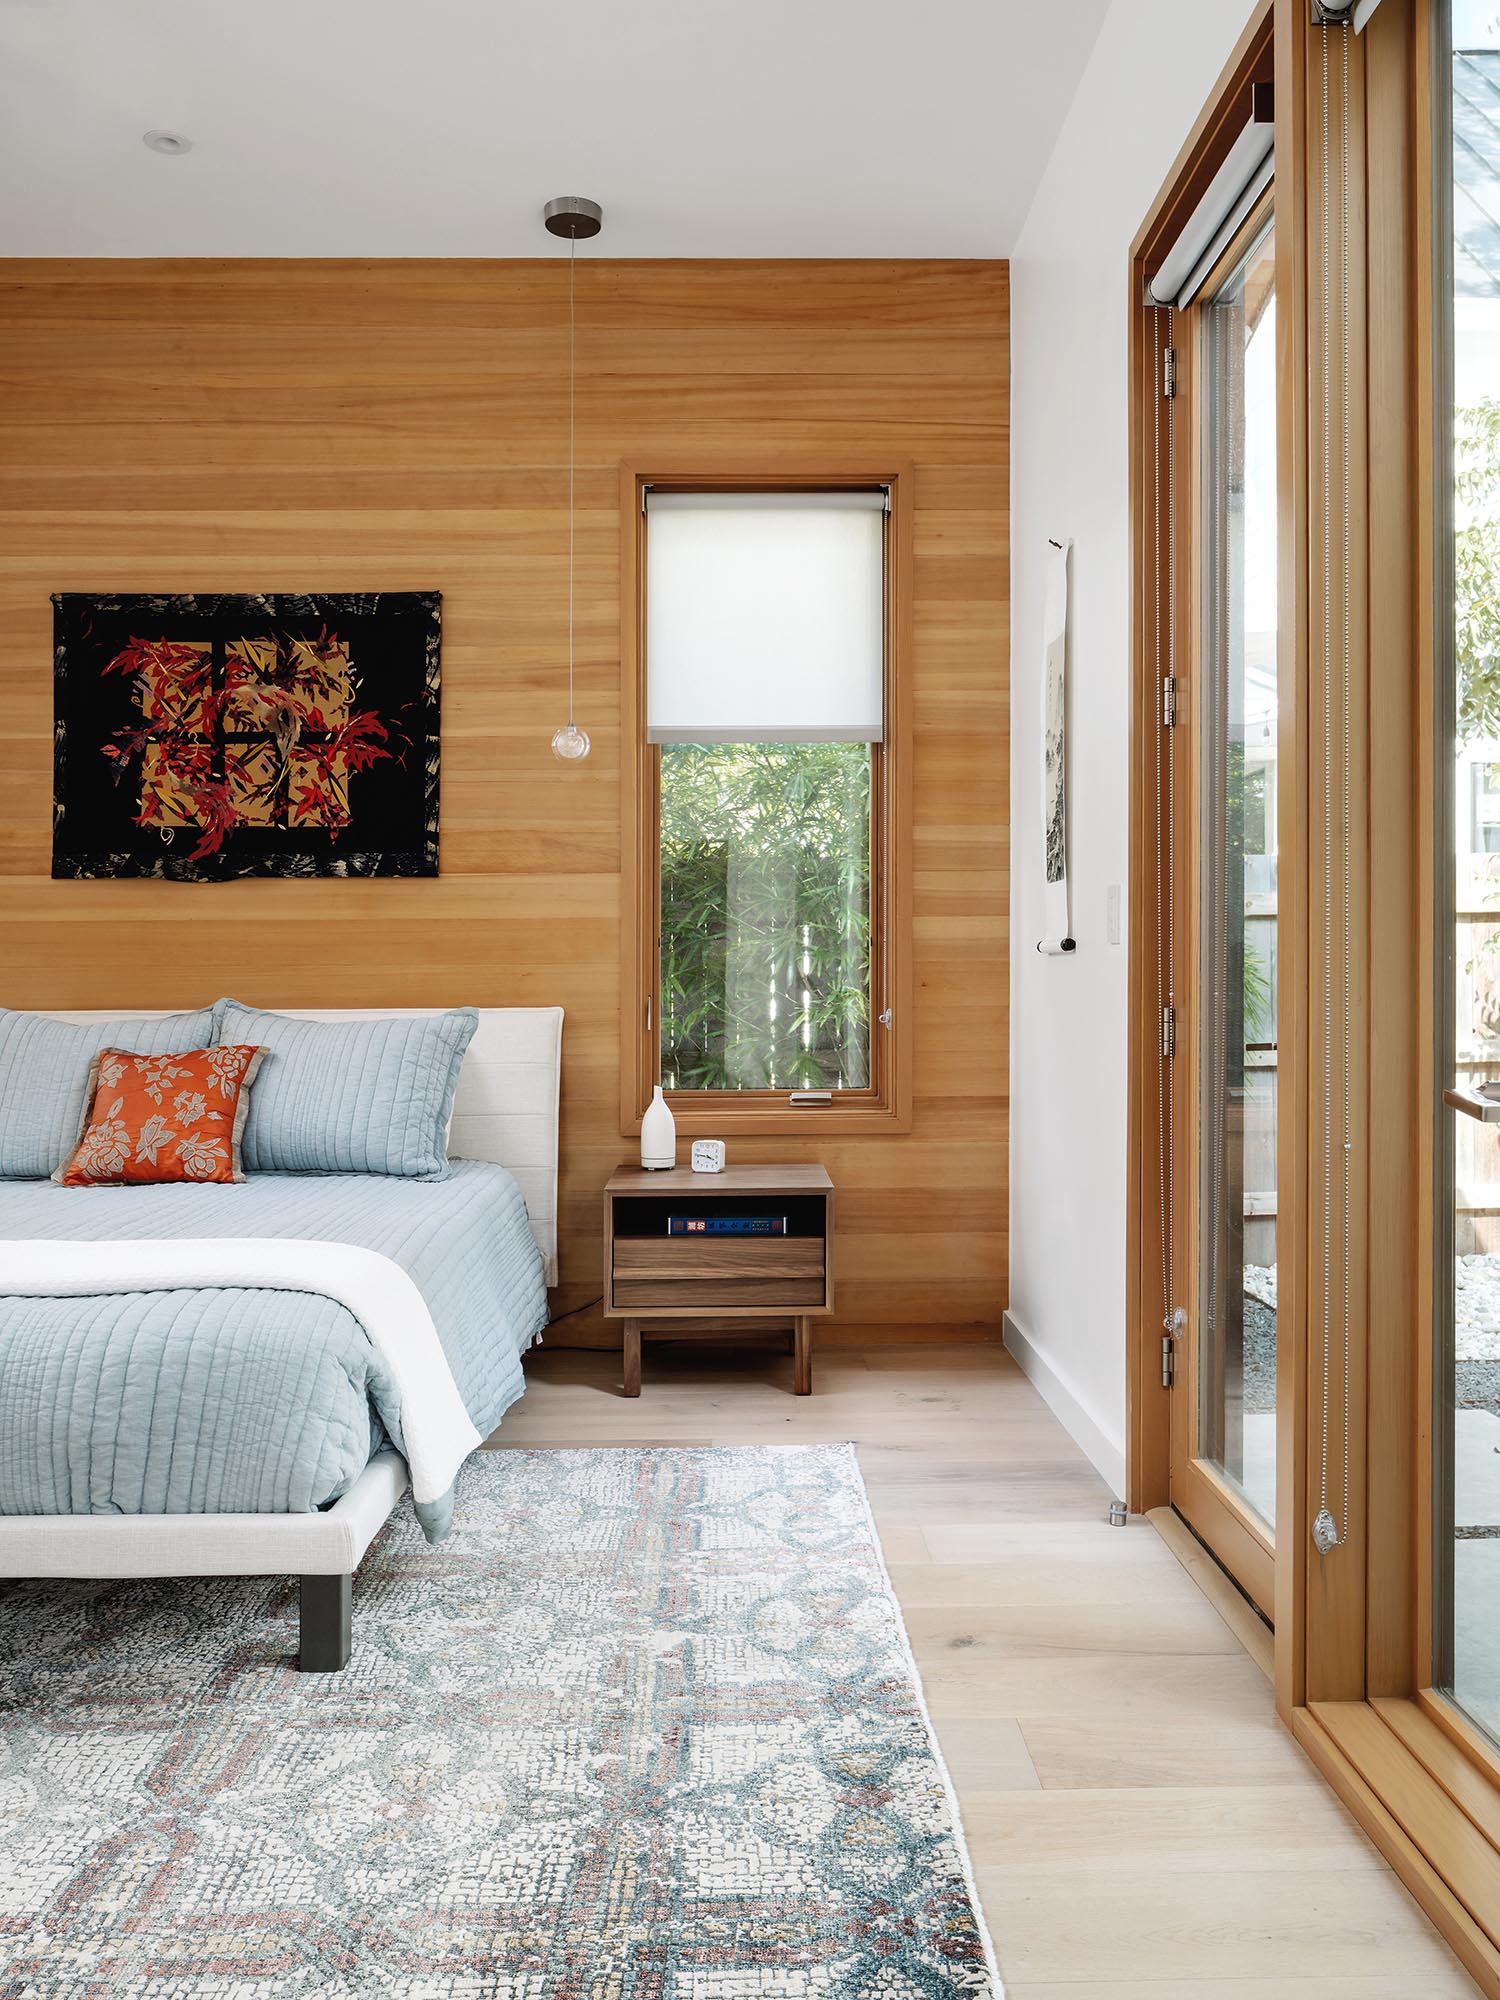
[350,1097]
[44,1070]
[243,1401]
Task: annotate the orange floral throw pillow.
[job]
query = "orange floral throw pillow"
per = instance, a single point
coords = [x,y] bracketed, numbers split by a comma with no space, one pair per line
[163,1118]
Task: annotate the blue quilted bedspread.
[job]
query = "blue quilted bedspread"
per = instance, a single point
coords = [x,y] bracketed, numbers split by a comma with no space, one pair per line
[250,1401]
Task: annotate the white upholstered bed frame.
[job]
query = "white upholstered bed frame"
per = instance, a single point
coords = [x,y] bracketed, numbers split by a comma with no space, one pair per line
[505,1110]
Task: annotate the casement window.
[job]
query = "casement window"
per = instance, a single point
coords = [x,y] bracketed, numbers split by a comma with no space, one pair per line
[764,933]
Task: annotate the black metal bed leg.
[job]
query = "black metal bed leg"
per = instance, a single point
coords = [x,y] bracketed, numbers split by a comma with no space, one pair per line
[324,1619]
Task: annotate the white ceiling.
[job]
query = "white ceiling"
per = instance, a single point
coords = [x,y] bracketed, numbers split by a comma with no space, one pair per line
[707,128]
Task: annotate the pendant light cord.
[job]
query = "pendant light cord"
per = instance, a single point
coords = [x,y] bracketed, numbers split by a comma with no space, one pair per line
[571,216]
[572,441]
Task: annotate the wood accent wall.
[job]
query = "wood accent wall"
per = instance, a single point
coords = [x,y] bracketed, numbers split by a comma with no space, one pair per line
[403,425]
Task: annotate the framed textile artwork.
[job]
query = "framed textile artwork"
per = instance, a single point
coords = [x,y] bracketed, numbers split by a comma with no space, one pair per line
[203,737]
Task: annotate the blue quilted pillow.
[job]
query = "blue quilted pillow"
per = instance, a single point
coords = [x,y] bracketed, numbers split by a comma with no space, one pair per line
[350,1097]
[44,1073]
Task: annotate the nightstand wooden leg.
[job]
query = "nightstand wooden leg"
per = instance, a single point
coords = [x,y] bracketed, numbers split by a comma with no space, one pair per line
[632,1357]
[802,1357]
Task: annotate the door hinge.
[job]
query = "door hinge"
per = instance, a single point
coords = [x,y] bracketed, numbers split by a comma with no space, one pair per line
[1168,1361]
[1168,1032]
[1169,371]
[1168,701]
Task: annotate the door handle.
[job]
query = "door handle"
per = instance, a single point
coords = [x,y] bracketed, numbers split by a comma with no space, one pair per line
[1473,1105]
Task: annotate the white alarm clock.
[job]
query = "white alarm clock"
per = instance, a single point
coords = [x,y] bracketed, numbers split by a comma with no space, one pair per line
[708,1156]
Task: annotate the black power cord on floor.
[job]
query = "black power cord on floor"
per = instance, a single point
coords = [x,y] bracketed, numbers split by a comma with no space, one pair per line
[575,1311]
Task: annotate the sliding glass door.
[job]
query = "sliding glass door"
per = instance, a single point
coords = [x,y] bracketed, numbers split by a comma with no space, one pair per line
[1466,1471]
[1347,1227]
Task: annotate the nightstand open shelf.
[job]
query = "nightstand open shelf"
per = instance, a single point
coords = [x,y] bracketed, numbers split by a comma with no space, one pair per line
[668,1281]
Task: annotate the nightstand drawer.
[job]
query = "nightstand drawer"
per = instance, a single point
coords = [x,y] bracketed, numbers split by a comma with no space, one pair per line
[718,1270]
[718,1257]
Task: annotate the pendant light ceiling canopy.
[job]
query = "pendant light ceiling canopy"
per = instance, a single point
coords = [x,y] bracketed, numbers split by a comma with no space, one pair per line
[574,217]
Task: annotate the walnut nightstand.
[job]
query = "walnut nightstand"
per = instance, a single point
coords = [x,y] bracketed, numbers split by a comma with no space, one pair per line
[652,1278]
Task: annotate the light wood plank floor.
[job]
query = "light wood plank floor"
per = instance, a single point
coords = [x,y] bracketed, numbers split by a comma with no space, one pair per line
[1142,1828]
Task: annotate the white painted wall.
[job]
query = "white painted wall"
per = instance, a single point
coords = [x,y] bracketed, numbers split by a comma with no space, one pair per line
[393,128]
[1151,71]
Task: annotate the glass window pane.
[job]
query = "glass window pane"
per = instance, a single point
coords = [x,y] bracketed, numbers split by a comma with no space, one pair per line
[1467,1389]
[765,916]
[1237,916]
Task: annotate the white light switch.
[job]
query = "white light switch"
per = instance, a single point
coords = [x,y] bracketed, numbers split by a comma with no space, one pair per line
[1112,913]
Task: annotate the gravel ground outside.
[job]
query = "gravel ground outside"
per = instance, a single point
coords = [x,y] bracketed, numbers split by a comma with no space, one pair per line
[1476,1335]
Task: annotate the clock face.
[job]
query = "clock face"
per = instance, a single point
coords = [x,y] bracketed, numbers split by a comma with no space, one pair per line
[708,1155]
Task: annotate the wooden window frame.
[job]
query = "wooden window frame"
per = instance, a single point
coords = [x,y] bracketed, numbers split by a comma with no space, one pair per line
[886,1105]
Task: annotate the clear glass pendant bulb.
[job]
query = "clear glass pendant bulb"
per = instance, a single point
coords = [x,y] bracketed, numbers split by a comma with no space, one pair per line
[571,744]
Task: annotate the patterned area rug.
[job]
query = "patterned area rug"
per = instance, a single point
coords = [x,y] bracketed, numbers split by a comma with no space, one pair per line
[645,1728]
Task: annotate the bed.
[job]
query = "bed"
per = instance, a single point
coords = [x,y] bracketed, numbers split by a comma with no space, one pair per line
[249,1428]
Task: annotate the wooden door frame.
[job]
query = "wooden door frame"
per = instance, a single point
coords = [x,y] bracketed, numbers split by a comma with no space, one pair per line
[1148,1403]
[1354,1629]
[1355,1683]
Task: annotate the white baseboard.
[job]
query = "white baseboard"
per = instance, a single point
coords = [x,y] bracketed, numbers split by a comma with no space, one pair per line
[1104,1453]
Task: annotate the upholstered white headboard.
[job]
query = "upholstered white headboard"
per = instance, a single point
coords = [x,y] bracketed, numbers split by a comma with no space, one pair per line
[507,1102]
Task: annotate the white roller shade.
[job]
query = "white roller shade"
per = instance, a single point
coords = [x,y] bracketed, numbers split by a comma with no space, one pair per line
[1245,172]
[765,617]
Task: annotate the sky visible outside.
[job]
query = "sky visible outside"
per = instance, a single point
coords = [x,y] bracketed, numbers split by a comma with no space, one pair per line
[1476,24]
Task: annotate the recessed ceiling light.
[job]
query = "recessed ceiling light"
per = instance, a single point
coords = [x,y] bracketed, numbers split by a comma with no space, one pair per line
[167,142]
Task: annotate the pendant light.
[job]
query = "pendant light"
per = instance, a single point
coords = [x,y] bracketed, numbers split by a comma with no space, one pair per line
[570,215]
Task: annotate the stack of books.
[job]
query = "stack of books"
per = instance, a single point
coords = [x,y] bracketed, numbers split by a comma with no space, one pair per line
[726,1225]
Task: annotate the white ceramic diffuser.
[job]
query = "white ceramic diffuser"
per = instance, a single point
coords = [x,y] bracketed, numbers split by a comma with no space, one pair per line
[658,1133]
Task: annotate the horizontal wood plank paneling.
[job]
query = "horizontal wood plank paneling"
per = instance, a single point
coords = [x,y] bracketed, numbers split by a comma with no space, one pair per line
[347,426]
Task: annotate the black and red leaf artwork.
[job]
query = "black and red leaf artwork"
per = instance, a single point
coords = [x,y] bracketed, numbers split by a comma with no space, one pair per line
[198,738]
